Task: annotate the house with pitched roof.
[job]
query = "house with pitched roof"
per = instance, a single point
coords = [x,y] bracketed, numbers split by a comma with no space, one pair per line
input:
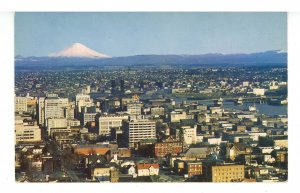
[236,149]
[147,169]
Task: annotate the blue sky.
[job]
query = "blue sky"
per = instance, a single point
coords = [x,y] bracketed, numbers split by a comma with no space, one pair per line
[124,34]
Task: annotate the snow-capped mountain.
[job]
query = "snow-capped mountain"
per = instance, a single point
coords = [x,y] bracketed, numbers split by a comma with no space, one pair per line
[78,50]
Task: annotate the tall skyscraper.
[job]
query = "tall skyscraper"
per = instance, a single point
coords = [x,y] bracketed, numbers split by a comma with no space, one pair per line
[122,85]
[113,86]
[41,110]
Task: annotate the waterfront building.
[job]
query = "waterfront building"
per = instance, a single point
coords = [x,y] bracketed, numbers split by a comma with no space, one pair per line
[259,91]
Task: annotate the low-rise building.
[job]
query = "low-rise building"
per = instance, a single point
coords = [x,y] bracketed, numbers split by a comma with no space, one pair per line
[91,150]
[259,91]
[200,152]
[176,116]
[157,111]
[168,147]
[100,172]
[147,169]
[193,168]
[187,134]
[27,132]
[236,149]
[223,172]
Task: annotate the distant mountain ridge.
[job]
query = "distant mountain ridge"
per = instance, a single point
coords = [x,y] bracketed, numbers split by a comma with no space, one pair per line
[261,58]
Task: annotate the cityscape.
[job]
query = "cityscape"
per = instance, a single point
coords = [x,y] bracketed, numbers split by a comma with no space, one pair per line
[84,116]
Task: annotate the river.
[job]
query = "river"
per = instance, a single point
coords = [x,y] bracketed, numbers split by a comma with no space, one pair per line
[264,108]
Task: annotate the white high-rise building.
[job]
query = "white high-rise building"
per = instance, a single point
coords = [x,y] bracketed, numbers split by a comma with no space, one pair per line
[55,107]
[41,110]
[106,122]
[137,130]
[51,107]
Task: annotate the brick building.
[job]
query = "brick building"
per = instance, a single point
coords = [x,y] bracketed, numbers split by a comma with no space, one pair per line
[168,146]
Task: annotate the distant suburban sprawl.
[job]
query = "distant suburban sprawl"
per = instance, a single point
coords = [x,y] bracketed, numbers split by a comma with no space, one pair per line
[160,122]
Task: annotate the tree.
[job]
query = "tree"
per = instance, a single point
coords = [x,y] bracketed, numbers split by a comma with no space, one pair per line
[181,134]
[160,126]
[69,158]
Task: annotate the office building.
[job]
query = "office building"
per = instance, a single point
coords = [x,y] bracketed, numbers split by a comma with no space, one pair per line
[138,130]
[106,122]
[54,123]
[223,172]
[51,107]
[27,131]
